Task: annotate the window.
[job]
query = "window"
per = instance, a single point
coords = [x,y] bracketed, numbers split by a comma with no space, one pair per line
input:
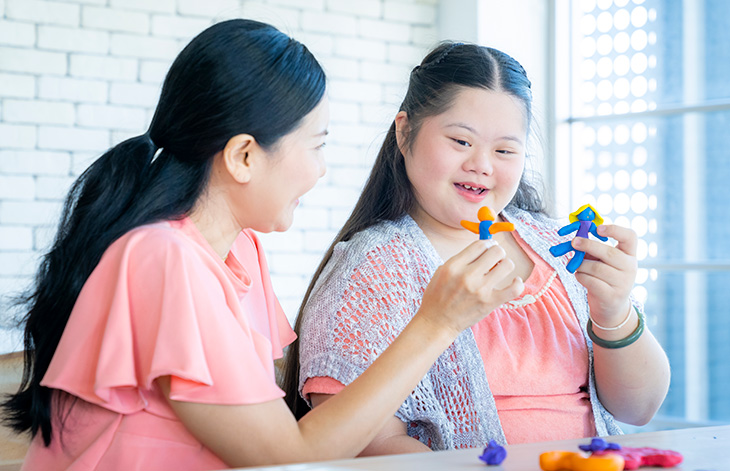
[643,133]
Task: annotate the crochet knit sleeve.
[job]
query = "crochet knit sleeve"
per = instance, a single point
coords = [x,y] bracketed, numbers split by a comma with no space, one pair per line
[370,289]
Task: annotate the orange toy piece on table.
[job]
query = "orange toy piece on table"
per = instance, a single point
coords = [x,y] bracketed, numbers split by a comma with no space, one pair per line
[486,226]
[572,461]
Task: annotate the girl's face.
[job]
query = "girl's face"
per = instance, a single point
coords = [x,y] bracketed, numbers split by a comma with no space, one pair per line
[289,171]
[470,156]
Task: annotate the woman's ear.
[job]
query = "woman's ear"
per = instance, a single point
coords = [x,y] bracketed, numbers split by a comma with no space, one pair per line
[239,155]
[401,131]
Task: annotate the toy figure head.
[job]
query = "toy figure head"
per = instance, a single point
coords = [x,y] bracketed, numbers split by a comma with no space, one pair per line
[586,213]
[485,214]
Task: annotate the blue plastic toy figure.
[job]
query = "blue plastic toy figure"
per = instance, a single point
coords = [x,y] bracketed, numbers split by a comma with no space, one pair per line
[486,226]
[584,220]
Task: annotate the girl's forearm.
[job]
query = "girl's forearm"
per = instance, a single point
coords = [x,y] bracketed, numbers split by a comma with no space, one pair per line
[632,381]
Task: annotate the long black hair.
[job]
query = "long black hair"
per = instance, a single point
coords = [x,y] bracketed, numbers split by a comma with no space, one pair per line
[236,77]
[388,193]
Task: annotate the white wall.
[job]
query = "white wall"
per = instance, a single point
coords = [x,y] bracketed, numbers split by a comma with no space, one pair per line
[78,76]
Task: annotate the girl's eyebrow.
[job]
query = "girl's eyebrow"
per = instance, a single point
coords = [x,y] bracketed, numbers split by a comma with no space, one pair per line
[474,131]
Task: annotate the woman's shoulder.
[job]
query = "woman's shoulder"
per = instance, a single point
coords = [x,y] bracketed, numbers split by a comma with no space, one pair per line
[163,243]
[149,239]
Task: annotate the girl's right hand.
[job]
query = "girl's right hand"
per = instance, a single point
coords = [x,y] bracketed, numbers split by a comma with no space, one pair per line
[464,289]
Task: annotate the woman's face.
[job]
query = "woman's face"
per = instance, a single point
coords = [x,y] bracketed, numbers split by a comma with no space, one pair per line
[469,156]
[289,170]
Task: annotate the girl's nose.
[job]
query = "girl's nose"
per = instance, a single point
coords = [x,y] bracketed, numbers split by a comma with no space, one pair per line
[480,162]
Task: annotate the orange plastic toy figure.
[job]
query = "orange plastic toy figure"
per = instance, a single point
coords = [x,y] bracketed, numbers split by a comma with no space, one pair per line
[572,461]
[486,226]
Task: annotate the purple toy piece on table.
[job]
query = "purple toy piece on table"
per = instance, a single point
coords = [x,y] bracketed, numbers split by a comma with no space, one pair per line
[599,444]
[493,454]
[585,220]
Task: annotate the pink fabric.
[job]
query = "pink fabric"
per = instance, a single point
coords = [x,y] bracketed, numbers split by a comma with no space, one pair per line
[321,385]
[536,361]
[162,302]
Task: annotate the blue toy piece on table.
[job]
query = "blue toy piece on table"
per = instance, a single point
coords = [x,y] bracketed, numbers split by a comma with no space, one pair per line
[493,454]
[584,220]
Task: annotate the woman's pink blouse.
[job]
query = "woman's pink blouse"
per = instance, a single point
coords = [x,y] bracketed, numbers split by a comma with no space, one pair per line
[161,302]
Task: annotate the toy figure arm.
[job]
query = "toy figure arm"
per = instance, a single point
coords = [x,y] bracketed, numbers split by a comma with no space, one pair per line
[501,227]
[594,231]
[472,226]
[565,230]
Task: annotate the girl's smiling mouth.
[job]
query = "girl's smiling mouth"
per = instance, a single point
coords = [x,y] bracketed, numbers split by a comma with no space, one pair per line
[471,191]
[471,188]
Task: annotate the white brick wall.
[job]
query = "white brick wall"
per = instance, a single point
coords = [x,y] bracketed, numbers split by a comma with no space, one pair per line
[77,76]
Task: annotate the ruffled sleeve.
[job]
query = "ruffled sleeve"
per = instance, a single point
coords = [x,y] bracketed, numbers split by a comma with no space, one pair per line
[156,305]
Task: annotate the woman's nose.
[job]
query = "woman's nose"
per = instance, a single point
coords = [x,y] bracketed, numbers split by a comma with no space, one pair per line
[322,167]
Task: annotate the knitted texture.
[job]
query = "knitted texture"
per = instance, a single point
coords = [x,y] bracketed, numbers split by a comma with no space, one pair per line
[372,287]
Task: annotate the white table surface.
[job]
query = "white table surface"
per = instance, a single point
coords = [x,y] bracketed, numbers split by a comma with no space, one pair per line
[704,449]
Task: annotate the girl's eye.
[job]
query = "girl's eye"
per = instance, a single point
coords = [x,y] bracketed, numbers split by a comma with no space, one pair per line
[319,147]
[462,142]
[505,152]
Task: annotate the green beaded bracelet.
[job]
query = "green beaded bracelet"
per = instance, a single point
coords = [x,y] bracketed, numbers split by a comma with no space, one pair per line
[617,343]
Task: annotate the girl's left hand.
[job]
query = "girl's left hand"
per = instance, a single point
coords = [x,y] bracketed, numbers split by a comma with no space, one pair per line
[608,273]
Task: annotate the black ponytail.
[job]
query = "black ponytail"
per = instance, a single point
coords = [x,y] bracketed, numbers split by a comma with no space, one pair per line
[236,77]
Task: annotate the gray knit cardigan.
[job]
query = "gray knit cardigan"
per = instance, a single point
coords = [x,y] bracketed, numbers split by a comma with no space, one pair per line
[371,288]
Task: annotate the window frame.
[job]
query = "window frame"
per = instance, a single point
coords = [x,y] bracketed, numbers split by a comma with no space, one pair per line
[696,266]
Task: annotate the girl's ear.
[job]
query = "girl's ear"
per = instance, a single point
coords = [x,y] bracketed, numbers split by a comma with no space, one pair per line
[401,131]
[239,155]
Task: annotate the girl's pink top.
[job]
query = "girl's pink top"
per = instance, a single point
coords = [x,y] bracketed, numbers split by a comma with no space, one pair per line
[161,302]
[536,362]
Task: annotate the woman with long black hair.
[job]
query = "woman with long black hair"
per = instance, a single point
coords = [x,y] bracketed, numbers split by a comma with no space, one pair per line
[152,326]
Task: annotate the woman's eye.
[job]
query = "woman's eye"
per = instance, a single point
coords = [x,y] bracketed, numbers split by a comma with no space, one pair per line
[506,152]
[462,142]
[321,146]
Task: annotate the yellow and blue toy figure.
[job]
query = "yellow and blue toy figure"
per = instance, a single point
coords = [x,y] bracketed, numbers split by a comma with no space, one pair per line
[585,220]
[486,226]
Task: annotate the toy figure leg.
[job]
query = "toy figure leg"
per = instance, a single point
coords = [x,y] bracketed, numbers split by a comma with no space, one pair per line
[561,249]
[575,262]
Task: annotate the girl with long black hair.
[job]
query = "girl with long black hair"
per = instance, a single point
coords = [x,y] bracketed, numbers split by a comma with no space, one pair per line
[563,360]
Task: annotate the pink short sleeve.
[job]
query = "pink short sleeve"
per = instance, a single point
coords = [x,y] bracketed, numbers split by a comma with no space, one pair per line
[159,304]
[321,385]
